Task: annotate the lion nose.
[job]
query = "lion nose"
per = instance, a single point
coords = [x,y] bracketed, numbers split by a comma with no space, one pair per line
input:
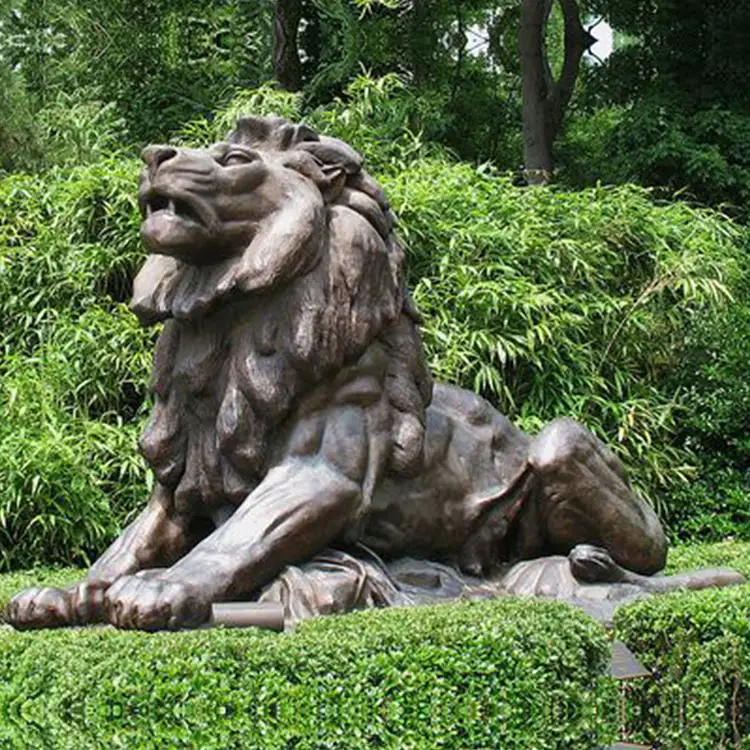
[156,155]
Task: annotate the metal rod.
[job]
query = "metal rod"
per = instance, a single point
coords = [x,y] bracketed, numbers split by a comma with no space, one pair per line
[248,615]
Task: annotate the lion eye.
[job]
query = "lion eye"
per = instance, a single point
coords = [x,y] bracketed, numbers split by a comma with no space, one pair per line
[235,158]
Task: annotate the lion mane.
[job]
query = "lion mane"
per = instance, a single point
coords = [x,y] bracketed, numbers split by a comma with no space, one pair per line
[232,364]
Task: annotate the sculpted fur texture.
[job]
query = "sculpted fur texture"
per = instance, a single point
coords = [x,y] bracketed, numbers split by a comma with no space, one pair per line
[312,279]
[295,423]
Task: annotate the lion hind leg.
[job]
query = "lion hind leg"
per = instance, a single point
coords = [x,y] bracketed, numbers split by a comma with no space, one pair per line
[591,564]
[584,497]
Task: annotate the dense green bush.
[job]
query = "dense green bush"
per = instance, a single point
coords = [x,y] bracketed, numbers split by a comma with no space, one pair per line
[18,143]
[73,362]
[484,675]
[547,302]
[702,151]
[714,506]
[509,673]
[157,62]
[698,647]
[715,425]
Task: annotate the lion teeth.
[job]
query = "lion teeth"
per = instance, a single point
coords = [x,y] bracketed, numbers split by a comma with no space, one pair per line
[172,207]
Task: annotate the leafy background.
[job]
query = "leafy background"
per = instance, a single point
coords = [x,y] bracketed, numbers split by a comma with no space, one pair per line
[606,304]
[618,296]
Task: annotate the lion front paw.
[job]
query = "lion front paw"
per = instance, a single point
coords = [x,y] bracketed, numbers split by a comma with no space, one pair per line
[79,604]
[137,602]
[40,608]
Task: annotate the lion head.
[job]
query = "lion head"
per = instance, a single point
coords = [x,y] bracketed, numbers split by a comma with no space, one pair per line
[273,261]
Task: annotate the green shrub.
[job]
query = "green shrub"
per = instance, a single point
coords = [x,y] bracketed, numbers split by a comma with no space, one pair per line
[68,488]
[715,506]
[698,647]
[68,242]
[159,63]
[715,383]
[71,130]
[583,151]
[73,362]
[715,425]
[727,554]
[664,141]
[547,302]
[482,675]
[18,135]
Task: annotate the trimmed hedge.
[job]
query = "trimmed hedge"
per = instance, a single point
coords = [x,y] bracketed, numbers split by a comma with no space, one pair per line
[503,674]
[498,674]
[697,646]
[727,554]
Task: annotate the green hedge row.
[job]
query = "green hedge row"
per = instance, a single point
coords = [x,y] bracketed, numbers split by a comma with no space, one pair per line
[697,646]
[500,674]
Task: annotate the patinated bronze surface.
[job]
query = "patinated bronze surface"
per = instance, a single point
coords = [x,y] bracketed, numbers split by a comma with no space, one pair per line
[301,451]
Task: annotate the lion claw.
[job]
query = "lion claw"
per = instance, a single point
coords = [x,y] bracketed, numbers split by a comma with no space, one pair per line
[590,564]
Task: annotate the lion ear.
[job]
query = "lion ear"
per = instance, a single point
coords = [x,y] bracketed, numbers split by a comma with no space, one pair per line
[332,151]
[336,177]
[329,178]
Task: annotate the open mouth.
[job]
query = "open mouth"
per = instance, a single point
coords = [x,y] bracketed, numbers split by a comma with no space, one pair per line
[157,202]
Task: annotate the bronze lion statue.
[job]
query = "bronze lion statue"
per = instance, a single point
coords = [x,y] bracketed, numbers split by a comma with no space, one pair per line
[301,451]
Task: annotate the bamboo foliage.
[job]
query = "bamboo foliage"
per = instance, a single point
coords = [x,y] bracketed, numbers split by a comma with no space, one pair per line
[547,302]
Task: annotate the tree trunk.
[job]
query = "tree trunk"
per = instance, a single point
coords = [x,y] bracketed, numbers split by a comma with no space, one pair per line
[544,99]
[420,40]
[286,61]
[537,145]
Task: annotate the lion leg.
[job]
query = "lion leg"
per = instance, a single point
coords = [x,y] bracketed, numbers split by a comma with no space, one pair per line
[299,509]
[583,496]
[157,537]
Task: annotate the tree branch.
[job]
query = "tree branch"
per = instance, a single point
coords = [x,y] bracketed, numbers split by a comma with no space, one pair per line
[461,52]
[577,41]
[287,64]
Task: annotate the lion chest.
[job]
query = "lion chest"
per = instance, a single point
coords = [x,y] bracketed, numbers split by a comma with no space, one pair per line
[184,442]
